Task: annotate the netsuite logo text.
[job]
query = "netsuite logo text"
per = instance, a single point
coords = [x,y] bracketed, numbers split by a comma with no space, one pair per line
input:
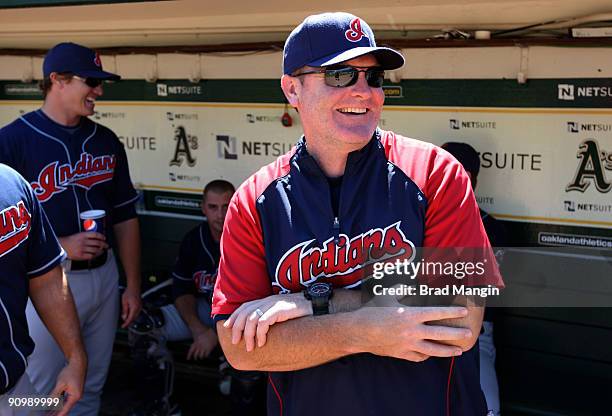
[456,124]
[164,90]
[575,127]
[569,92]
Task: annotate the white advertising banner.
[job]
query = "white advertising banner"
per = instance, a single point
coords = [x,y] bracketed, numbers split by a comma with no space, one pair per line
[551,166]
[537,165]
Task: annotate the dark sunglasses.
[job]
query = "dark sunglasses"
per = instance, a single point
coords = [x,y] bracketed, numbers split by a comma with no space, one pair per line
[90,82]
[347,75]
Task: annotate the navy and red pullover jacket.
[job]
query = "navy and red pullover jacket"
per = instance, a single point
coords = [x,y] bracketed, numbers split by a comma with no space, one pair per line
[281,235]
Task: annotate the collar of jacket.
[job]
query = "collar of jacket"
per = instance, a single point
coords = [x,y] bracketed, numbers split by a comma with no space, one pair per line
[304,162]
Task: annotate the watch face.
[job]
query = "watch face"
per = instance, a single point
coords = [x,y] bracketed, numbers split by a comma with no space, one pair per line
[319,289]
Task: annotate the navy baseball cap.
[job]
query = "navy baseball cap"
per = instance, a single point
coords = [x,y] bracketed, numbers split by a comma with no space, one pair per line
[80,60]
[465,154]
[330,38]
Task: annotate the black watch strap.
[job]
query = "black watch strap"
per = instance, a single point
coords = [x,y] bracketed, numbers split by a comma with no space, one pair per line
[319,295]
[320,306]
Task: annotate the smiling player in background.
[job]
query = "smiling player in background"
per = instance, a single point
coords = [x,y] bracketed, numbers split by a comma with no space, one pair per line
[74,165]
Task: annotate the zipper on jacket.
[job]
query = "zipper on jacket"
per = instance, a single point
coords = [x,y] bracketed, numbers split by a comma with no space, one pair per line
[336,230]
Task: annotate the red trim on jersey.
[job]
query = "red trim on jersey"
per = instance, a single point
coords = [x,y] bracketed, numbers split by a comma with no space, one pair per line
[280,400]
[448,386]
[243,275]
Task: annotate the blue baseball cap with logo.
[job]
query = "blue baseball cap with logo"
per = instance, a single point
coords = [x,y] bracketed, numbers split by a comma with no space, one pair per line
[77,59]
[330,38]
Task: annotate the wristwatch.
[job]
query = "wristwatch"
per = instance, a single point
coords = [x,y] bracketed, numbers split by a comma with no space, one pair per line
[319,295]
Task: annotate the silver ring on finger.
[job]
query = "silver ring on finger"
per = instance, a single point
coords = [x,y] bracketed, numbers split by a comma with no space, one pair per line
[259,312]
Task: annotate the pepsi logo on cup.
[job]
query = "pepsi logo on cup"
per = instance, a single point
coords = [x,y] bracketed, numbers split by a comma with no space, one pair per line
[90,225]
[93,220]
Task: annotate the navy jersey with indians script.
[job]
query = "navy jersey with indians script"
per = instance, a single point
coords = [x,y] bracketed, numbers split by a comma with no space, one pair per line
[196,266]
[281,234]
[70,170]
[28,249]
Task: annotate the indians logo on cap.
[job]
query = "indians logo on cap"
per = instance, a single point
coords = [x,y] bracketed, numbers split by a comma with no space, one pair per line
[354,34]
[90,225]
[97,60]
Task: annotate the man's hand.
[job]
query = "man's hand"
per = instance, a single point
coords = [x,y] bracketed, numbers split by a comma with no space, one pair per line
[70,382]
[253,319]
[131,304]
[204,341]
[127,236]
[204,338]
[407,332]
[85,245]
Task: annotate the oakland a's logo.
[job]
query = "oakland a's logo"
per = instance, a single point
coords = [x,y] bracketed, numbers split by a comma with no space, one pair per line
[87,172]
[344,263]
[184,144]
[14,227]
[591,168]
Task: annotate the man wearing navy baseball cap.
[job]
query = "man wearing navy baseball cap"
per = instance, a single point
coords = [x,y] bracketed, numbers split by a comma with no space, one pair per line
[76,165]
[331,38]
[305,231]
[76,59]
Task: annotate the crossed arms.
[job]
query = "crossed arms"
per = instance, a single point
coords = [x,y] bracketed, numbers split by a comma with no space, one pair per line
[289,338]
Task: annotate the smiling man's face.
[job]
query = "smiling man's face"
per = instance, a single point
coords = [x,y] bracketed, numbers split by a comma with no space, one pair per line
[344,118]
[79,99]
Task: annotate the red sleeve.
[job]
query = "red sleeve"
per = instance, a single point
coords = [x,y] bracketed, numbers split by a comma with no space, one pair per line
[243,275]
[452,219]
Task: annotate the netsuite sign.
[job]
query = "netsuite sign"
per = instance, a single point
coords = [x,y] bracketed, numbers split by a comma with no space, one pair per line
[571,92]
[576,127]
